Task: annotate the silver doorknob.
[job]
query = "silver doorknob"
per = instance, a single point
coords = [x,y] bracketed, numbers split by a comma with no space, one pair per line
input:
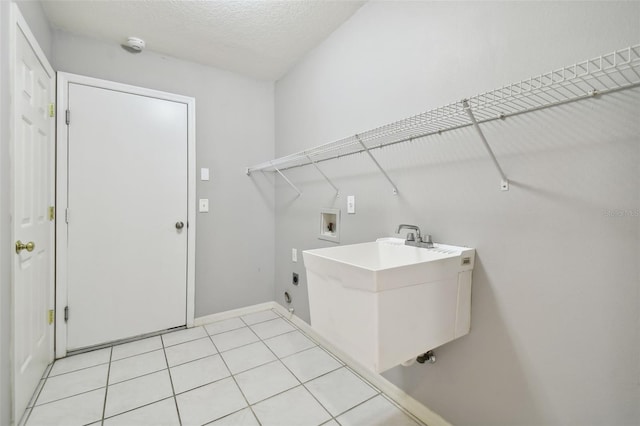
[179,225]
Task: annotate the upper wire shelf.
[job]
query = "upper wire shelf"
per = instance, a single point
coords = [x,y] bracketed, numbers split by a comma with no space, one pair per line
[604,74]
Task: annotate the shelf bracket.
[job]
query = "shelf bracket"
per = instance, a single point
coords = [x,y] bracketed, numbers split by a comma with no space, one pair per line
[323,175]
[295,188]
[504,184]
[393,185]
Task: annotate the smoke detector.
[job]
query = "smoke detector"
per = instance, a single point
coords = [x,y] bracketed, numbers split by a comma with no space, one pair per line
[134,44]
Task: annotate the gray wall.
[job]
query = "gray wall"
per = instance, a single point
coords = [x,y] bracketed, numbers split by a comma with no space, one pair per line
[34,15]
[555,312]
[234,128]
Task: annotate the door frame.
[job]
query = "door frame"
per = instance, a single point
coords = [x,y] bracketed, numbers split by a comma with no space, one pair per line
[18,23]
[64,79]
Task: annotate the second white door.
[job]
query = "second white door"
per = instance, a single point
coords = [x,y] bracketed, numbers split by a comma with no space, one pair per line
[127,215]
[32,149]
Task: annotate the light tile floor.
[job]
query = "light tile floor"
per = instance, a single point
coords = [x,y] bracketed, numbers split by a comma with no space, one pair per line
[256,369]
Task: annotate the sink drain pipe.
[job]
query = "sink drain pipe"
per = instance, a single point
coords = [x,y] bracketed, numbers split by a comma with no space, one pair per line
[428,356]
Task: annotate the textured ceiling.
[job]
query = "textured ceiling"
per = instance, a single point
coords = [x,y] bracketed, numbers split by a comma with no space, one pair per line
[261,39]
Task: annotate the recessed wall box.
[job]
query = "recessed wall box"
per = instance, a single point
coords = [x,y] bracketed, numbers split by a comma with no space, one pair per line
[330,225]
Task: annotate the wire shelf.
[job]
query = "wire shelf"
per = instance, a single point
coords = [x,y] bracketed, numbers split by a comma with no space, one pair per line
[607,73]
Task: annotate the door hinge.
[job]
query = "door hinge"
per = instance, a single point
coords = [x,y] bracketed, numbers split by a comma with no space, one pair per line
[66,313]
[51,314]
[52,110]
[52,213]
[66,215]
[67,117]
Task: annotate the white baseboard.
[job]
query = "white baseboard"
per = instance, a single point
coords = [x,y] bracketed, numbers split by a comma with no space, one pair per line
[233,313]
[401,398]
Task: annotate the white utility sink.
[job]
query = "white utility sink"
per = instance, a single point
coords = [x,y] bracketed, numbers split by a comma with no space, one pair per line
[384,303]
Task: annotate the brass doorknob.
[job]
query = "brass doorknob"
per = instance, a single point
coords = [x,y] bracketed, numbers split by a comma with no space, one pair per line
[179,225]
[21,246]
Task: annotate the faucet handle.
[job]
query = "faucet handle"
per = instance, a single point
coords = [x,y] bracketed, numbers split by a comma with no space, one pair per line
[411,236]
[427,241]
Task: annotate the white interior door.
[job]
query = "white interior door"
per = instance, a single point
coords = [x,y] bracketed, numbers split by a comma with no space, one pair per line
[32,163]
[127,215]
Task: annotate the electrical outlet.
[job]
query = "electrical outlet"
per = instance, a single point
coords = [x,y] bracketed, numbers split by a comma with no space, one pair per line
[294,255]
[204,205]
[295,279]
[351,204]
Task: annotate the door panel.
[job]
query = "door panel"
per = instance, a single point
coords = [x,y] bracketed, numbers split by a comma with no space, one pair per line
[127,188]
[32,173]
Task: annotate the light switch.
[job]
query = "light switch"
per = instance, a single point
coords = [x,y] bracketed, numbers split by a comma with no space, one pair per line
[204,205]
[294,255]
[351,204]
[204,173]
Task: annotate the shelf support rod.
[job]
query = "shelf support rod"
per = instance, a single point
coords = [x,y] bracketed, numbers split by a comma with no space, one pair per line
[393,185]
[504,184]
[288,181]
[323,175]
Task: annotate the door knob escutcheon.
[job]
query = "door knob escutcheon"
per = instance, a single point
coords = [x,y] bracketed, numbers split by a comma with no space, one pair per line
[21,246]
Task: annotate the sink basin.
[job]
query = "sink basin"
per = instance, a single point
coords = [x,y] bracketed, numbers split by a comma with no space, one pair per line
[388,263]
[384,303]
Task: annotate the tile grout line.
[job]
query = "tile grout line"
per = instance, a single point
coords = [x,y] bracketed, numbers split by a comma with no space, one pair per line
[319,344]
[79,369]
[115,343]
[49,369]
[173,390]
[48,375]
[187,341]
[232,375]
[306,335]
[362,378]
[246,324]
[106,390]
[227,415]
[247,344]
[26,415]
[135,408]
[235,381]
[141,353]
[278,359]
[202,385]
[405,411]
[322,375]
[29,410]
[350,369]
[239,372]
[91,390]
[345,366]
[37,392]
[137,377]
[69,396]
[356,406]
[294,376]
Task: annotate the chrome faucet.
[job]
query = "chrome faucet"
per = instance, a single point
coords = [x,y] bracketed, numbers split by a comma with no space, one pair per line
[414,227]
[417,240]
